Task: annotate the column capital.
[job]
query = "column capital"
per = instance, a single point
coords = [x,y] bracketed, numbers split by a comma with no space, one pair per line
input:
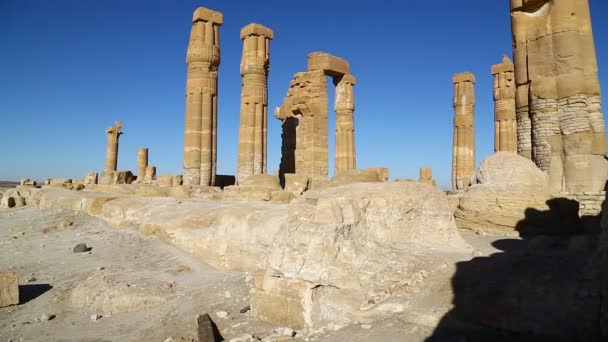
[207,15]
[254,29]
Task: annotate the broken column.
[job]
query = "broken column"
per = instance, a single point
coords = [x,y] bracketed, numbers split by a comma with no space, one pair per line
[203,59]
[505,120]
[113,133]
[150,173]
[426,176]
[463,155]
[558,93]
[142,163]
[254,100]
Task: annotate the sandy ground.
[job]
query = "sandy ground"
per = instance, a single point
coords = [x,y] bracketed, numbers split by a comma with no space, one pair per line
[37,246]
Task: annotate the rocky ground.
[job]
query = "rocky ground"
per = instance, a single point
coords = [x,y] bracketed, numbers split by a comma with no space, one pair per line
[131,287]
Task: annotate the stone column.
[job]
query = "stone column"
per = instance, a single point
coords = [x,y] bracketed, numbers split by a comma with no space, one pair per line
[203,59]
[345,125]
[505,120]
[558,92]
[113,133]
[426,176]
[142,163]
[255,64]
[463,155]
[150,173]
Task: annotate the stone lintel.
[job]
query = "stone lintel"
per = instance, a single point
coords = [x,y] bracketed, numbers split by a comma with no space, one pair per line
[463,77]
[331,65]
[205,14]
[505,66]
[349,78]
[254,29]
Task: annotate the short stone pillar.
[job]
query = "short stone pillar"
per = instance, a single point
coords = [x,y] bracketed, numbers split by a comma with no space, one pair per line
[426,176]
[90,178]
[463,154]
[255,64]
[150,173]
[142,163]
[113,133]
[505,120]
[203,60]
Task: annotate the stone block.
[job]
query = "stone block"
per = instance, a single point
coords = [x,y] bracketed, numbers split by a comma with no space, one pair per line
[331,65]
[295,183]
[9,289]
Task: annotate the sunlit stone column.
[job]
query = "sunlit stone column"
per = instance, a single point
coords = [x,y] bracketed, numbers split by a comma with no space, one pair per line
[345,127]
[113,133]
[203,59]
[426,175]
[505,120]
[142,163]
[255,64]
[463,155]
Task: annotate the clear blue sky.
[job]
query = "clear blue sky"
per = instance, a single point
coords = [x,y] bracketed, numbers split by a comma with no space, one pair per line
[70,68]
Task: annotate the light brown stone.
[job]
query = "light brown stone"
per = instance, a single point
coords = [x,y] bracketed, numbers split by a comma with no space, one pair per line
[116,177]
[90,178]
[150,173]
[463,155]
[113,133]
[560,121]
[426,176]
[255,64]
[200,134]
[27,182]
[142,163]
[9,289]
[505,119]
[165,181]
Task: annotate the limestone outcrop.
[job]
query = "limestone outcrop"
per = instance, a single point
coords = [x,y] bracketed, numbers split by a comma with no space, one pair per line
[345,254]
[255,64]
[200,134]
[463,154]
[559,116]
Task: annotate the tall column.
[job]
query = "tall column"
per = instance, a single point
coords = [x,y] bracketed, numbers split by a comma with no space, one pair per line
[113,133]
[345,126]
[203,59]
[505,120]
[142,163]
[463,155]
[558,90]
[255,64]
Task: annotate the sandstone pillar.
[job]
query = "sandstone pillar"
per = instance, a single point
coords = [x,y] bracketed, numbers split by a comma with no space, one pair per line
[254,100]
[150,173]
[558,93]
[345,125]
[426,176]
[505,120]
[113,133]
[203,59]
[142,163]
[463,155]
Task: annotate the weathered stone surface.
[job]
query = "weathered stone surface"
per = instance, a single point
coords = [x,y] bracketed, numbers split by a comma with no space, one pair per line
[165,181]
[269,182]
[560,121]
[9,289]
[108,294]
[332,257]
[359,175]
[463,155]
[116,177]
[86,202]
[510,171]
[90,178]
[60,182]
[205,329]
[203,60]
[296,183]
[255,64]
[505,119]
[151,191]
[113,133]
[27,182]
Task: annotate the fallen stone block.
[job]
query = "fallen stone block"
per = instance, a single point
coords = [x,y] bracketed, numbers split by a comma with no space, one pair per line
[9,289]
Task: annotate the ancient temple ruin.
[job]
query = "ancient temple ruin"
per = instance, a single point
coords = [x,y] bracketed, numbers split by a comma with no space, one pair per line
[304,114]
[505,120]
[560,122]
[203,59]
[113,133]
[255,64]
[463,154]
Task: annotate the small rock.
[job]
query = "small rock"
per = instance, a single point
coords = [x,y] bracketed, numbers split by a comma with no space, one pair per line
[95,317]
[168,339]
[32,279]
[366,326]
[227,294]
[221,314]
[183,268]
[101,268]
[285,331]
[81,248]
[46,317]
[245,309]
